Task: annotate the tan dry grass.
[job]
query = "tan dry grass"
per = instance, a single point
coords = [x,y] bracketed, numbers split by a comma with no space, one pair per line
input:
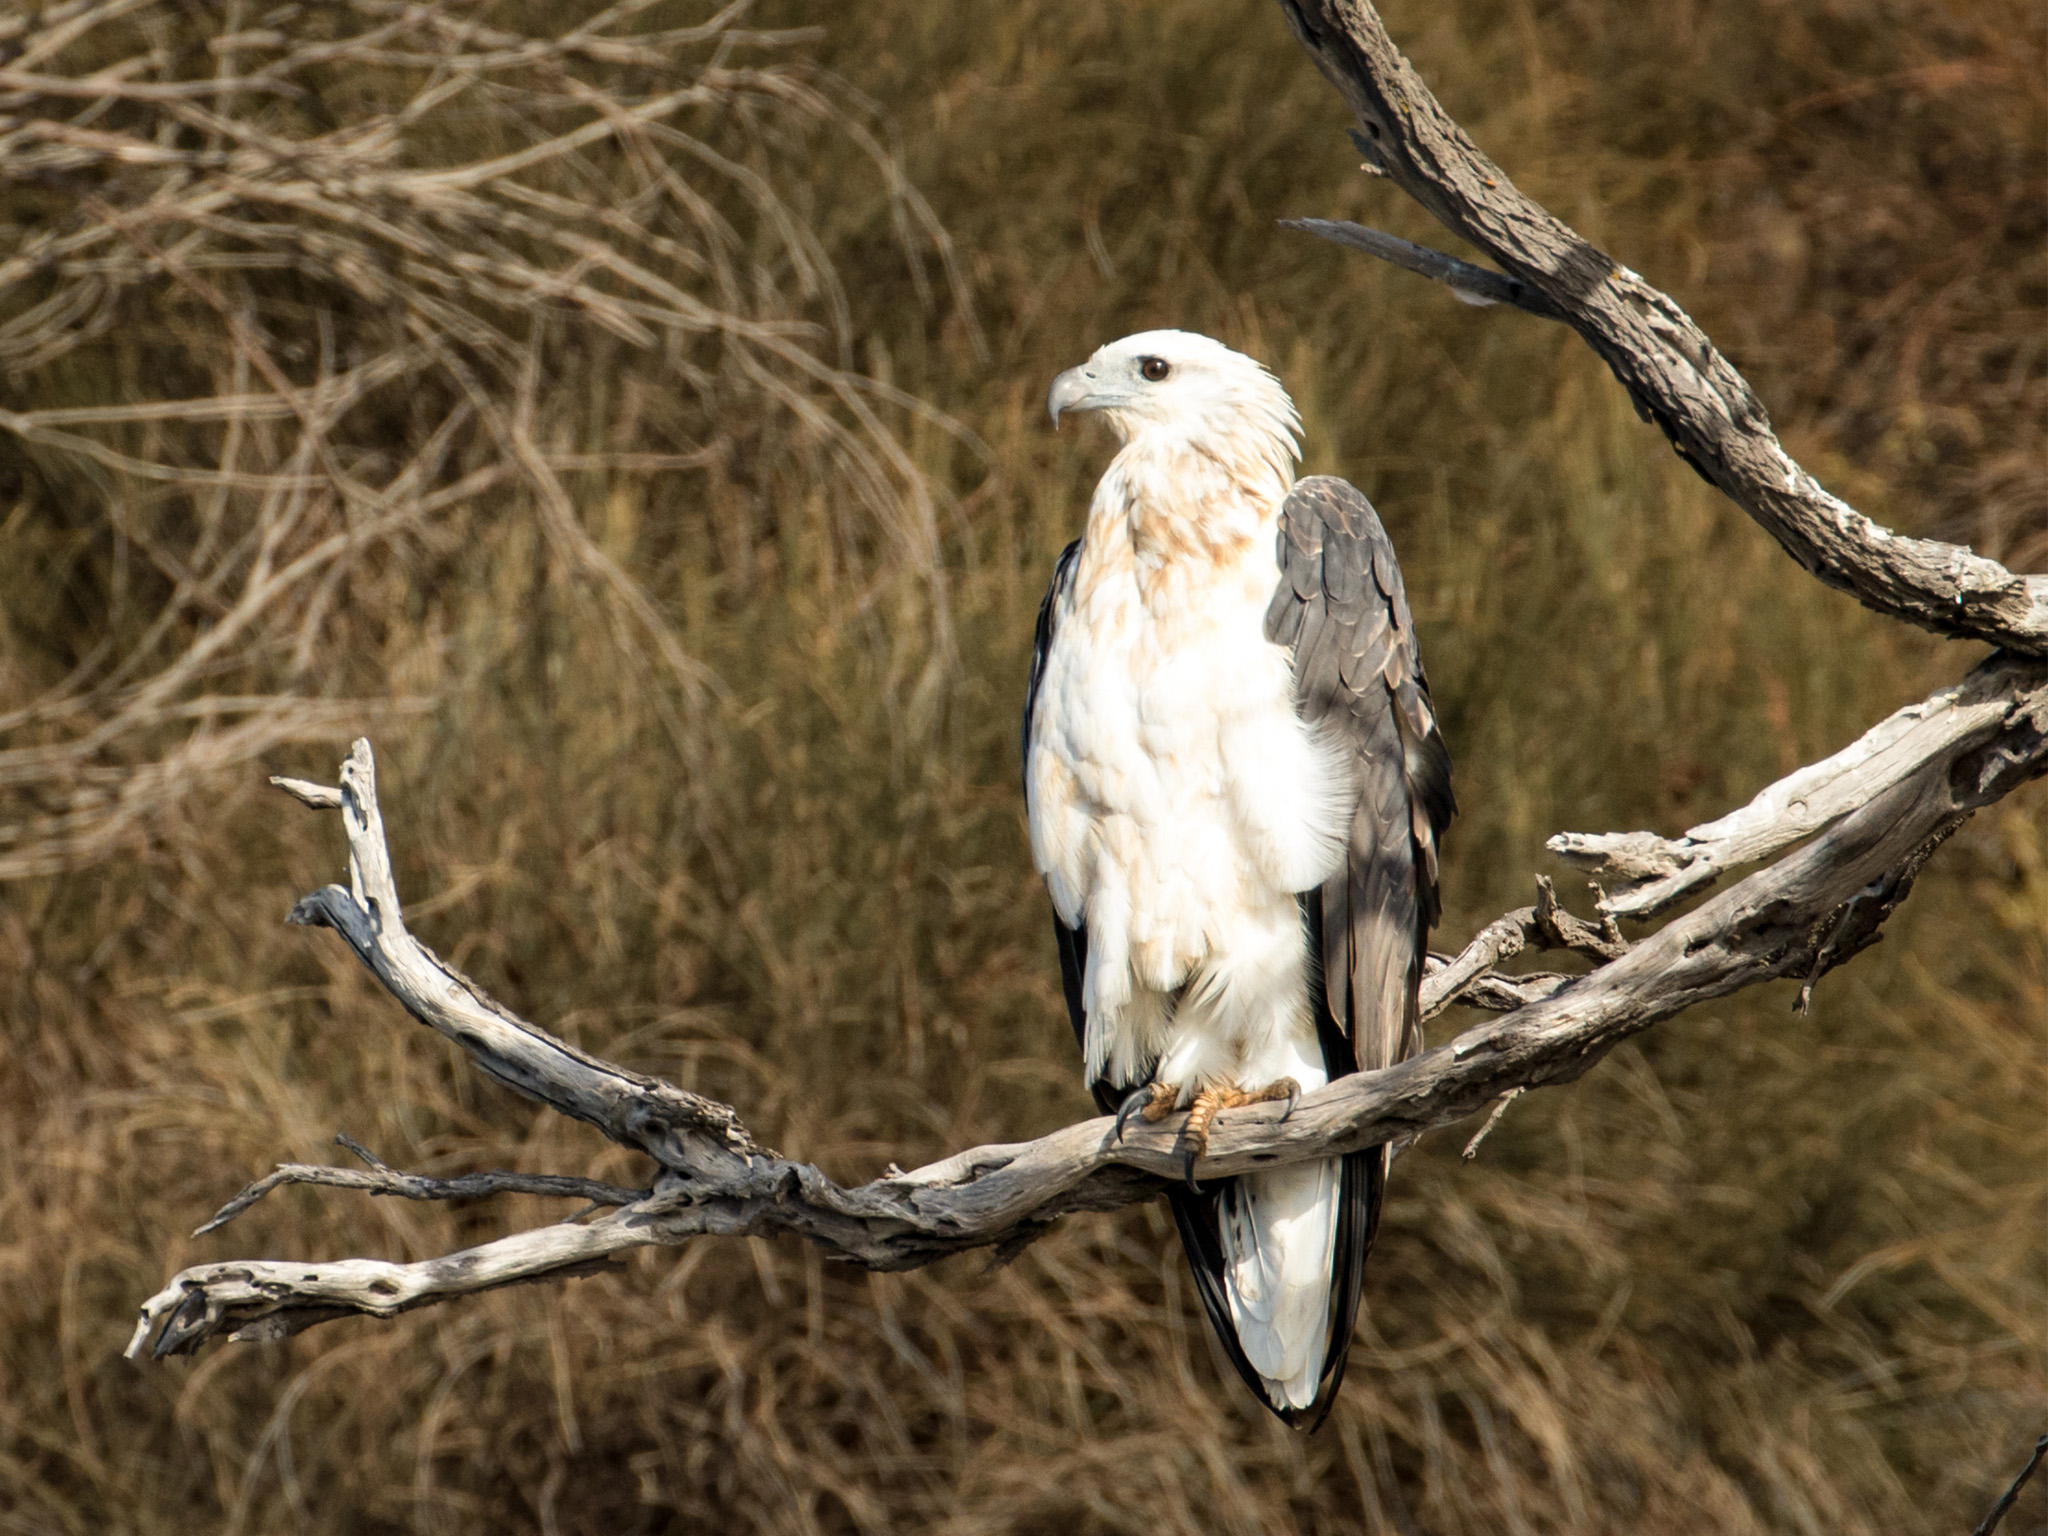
[1759,1274]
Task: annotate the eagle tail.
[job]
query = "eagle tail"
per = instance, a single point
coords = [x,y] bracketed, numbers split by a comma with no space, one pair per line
[1279,1234]
[1310,1227]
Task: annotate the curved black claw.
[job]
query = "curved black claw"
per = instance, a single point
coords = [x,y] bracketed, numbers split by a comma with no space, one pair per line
[1187,1170]
[1133,1102]
[1293,1098]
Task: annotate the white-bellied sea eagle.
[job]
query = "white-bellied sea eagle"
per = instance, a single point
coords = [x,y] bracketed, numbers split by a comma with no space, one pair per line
[1236,788]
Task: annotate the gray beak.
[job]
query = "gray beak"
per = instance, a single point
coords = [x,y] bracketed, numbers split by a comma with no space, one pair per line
[1073,390]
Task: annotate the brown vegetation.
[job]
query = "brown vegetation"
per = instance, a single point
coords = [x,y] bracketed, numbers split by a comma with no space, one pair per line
[609,422]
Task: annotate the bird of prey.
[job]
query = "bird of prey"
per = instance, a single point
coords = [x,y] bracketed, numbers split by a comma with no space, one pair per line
[1236,788]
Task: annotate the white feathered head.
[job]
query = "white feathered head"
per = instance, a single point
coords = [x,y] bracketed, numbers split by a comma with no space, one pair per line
[1181,386]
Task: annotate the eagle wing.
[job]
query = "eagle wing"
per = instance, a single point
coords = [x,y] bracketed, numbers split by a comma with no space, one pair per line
[1341,605]
[1073,942]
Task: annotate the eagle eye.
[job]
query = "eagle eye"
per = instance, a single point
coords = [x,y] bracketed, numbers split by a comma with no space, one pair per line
[1154,368]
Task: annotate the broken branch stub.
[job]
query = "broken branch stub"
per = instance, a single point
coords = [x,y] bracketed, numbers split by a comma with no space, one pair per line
[1646,874]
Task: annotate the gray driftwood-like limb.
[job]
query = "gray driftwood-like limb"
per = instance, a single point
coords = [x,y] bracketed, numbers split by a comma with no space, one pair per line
[252,1300]
[1670,369]
[671,1125]
[318,797]
[1645,874]
[1797,918]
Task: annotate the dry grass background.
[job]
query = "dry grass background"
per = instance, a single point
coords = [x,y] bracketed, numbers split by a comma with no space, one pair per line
[633,419]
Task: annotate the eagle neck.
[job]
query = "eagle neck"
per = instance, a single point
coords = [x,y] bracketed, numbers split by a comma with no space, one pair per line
[1173,515]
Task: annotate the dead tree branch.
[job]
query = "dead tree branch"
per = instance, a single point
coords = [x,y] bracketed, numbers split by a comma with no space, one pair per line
[1797,918]
[2012,1493]
[1670,369]
[380,1178]
[1646,874]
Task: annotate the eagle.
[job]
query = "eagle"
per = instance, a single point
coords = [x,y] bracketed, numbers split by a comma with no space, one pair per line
[1235,787]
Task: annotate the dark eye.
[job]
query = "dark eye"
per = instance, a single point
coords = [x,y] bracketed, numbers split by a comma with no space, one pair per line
[1154,368]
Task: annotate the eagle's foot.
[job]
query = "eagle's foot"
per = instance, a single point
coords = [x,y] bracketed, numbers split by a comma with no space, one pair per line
[1209,1101]
[1154,1102]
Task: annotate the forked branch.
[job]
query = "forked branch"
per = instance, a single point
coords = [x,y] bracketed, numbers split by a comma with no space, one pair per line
[1798,918]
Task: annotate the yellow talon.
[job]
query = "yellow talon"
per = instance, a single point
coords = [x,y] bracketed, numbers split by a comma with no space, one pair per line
[1211,1100]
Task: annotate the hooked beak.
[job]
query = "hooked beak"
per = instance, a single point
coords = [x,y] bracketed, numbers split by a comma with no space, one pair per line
[1075,390]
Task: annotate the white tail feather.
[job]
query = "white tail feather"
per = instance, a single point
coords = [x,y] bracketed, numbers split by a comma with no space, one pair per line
[1279,1233]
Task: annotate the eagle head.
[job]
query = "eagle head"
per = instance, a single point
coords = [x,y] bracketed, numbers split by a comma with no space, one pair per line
[1177,384]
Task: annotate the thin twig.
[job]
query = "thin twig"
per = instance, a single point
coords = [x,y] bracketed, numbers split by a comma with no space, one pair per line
[382,1179]
[1472,1146]
[2005,1501]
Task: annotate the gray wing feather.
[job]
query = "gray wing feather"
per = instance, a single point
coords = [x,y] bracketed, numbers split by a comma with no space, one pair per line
[1341,604]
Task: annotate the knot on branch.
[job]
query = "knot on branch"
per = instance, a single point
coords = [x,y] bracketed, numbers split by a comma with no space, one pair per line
[1564,931]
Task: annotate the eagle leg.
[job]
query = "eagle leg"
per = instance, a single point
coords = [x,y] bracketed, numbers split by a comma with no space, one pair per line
[1154,1101]
[1210,1100]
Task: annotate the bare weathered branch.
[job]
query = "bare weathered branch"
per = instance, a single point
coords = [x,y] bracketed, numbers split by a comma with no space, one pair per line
[1500,1108]
[1471,978]
[1647,874]
[675,1127]
[257,1299]
[1446,979]
[1798,918]
[1497,993]
[319,797]
[1564,931]
[1670,369]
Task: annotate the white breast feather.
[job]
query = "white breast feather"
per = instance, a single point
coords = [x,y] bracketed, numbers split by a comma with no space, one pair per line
[1178,802]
